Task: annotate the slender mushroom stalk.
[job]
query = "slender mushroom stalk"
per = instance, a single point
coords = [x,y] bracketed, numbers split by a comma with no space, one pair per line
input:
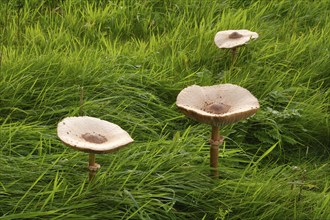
[234,54]
[92,166]
[215,141]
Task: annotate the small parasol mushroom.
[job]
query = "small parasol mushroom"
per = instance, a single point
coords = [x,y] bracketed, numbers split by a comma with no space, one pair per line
[92,135]
[233,39]
[217,105]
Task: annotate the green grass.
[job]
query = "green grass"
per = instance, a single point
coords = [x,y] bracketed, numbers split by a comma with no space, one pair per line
[132,58]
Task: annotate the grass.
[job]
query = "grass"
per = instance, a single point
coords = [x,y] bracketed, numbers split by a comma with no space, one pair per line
[132,58]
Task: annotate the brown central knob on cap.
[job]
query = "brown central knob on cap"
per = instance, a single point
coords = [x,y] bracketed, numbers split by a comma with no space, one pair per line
[217,108]
[96,139]
[235,35]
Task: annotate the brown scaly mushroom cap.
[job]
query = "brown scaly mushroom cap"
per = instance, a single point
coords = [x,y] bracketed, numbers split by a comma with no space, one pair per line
[217,105]
[92,135]
[233,38]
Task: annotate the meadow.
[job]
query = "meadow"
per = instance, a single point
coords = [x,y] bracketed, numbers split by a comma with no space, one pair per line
[132,58]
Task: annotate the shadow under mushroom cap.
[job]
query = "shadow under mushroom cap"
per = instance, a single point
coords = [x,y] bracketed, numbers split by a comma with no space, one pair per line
[217,105]
[92,135]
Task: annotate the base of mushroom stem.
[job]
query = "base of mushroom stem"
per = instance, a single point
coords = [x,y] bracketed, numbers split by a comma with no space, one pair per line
[94,167]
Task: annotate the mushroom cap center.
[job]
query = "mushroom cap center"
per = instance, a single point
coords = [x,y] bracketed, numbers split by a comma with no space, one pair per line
[94,138]
[235,35]
[217,108]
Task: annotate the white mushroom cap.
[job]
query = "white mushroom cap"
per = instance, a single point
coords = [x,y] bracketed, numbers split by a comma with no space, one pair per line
[217,105]
[91,134]
[234,38]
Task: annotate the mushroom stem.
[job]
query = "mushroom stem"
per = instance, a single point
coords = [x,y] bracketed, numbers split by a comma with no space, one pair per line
[92,166]
[91,160]
[216,140]
[234,52]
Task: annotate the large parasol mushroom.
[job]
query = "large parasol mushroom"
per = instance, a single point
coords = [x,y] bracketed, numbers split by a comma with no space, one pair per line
[217,105]
[92,135]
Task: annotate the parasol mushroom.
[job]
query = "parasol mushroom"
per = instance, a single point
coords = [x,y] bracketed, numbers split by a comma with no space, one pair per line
[217,105]
[233,39]
[92,135]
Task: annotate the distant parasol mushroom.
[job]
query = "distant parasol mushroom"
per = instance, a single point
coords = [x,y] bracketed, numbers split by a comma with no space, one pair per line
[232,39]
[217,105]
[92,135]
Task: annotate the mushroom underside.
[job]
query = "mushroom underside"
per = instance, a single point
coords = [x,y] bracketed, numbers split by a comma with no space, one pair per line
[217,119]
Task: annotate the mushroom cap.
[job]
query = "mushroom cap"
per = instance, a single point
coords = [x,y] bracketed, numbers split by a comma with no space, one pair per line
[234,38]
[92,135]
[217,105]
